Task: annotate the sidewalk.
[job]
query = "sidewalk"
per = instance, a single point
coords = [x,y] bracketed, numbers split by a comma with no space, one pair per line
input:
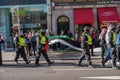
[10,55]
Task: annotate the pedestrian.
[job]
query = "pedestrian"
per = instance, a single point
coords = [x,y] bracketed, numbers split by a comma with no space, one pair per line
[86,41]
[41,41]
[33,44]
[4,42]
[20,42]
[27,41]
[118,45]
[1,41]
[111,43]
[93,35]
[62,46]
[69,34]
[103,42]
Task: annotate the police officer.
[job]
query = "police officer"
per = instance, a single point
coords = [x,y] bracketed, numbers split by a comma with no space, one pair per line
[111,42]
[85,45]
[20,42]
[41,43]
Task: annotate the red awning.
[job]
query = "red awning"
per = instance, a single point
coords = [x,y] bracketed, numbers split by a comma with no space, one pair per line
[83,16]
[119,19]
[107,14]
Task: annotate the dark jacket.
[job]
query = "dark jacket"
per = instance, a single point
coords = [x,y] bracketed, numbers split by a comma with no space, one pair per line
[102,40]
[110,39]
[1,41]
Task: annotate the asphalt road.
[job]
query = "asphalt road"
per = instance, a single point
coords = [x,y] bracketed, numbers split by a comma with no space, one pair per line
[64,68]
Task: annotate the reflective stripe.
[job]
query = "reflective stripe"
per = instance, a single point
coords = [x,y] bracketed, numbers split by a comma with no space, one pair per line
[89,39]
[114,38]
[21,41]
[43,40]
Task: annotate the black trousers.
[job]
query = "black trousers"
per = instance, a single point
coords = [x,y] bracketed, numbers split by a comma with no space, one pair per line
[21,52]
[85,54]
[118,52]
[0,57]
[91,49]
[103,51]
[44,53]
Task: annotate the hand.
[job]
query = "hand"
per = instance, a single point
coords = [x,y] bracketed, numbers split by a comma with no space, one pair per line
[112,49]
[42,48]
[19,46]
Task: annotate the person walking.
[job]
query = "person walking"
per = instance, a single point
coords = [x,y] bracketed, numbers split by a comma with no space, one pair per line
[41,42]
[111,43]
[27,41]
[118,45]
[33,44]
[103,42]
[1,41]
[20,41]
[86,41]
[93,35]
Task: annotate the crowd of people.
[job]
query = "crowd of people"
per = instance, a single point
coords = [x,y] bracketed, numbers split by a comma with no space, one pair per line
[109,40]
[34,44]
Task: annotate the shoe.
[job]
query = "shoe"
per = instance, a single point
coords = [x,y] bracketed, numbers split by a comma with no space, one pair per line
[28,62]
[118,63]
[92,55]
[16,61]
[114,67]
[37,65]
[78,64]
[109,62]
[1,64]
[90,66]
[50,63]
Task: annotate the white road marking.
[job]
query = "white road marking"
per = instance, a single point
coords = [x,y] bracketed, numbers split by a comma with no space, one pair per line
[105,69]
[103,77]
[2,70]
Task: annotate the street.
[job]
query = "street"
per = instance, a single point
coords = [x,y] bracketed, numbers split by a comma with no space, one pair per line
[64,68]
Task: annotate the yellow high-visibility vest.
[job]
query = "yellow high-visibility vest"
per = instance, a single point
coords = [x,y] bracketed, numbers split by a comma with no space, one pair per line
[114,38]
[21,41]
[89,39]
[43,40]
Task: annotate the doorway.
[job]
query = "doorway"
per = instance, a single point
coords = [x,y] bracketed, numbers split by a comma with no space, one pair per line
[62,24]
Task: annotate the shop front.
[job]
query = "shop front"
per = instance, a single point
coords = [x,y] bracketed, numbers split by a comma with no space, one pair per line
[107,15]
[21,15]
[82,17]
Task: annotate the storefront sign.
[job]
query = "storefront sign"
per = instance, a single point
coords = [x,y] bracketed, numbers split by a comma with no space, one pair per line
[21,12]
[109,13]
[21,2]
[88,2]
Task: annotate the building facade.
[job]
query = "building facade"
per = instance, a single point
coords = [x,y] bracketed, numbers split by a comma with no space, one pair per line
[73,15]
[24,15]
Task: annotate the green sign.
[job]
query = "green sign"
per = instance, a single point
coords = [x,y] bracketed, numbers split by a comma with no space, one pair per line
[21,12]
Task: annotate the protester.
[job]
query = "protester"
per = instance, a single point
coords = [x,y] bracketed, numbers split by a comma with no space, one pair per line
[85,45]
[111,42]
[20,41]
[1,41]
[93,35]
[103,42]
[41,43]
[118,45]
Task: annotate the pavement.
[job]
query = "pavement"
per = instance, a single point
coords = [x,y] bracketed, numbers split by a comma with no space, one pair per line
[9,55]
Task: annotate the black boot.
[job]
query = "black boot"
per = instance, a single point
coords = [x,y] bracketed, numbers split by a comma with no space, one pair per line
[49,63]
